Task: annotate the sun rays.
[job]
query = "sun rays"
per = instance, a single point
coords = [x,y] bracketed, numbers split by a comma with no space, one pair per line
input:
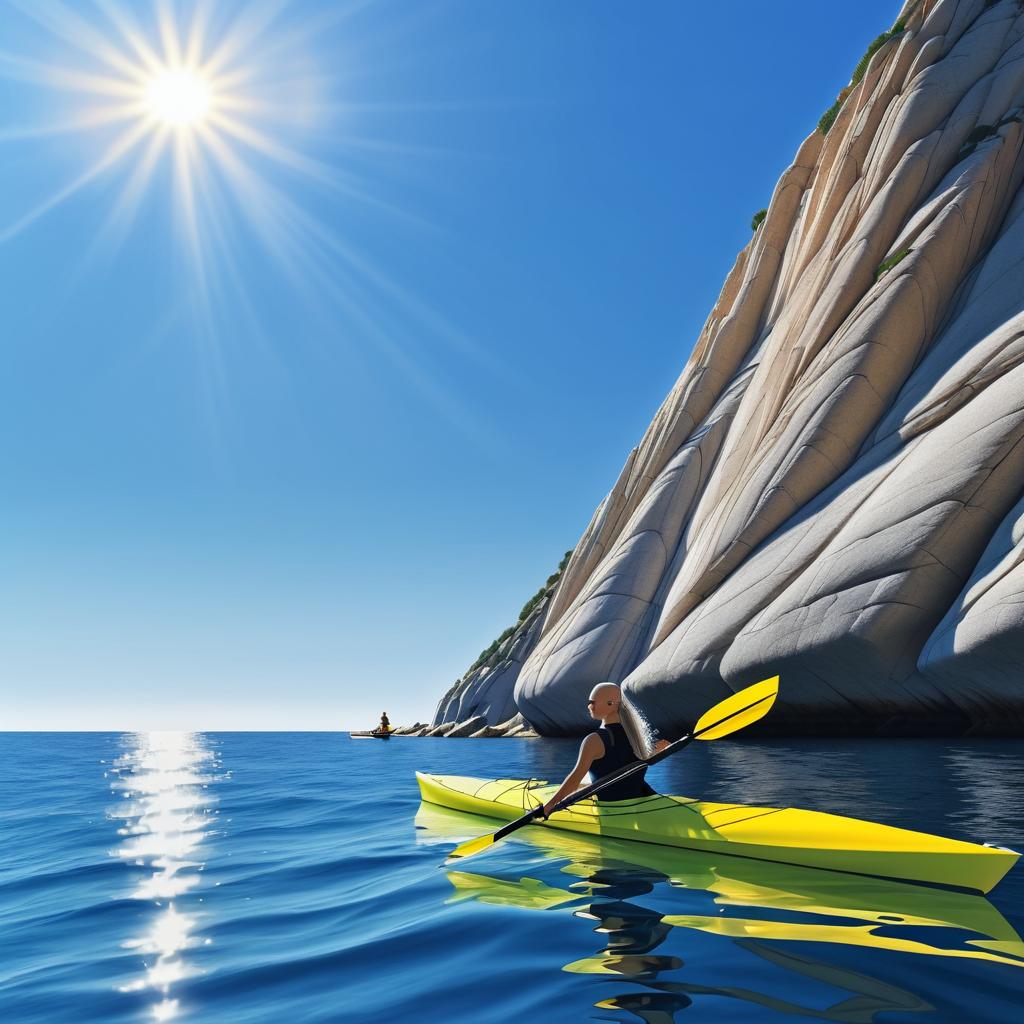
[199,96]
[221,133]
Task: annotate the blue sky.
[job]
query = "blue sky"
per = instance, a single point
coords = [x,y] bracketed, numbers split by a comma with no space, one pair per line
[296,449]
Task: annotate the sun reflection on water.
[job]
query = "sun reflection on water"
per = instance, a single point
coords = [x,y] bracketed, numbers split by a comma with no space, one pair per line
[168,810]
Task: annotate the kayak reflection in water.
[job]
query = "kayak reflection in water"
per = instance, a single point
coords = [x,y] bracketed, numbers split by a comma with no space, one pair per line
[618,741]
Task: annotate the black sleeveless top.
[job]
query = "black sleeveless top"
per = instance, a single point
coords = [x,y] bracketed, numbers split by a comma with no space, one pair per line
[617,754]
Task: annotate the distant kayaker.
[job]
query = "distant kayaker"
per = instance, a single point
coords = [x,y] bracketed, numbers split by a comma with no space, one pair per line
[617,742]
[385,723]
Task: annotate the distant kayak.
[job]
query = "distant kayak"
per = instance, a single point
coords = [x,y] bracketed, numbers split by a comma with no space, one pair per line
[371,735]
[781,835]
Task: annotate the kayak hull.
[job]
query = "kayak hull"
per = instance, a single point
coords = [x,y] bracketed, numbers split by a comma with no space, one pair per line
[370,735]
[783,835]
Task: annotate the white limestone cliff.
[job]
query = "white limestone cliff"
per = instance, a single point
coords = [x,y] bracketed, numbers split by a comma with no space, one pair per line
[833,490]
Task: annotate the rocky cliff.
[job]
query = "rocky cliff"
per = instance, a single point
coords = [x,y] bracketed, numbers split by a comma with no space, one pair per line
[833,490]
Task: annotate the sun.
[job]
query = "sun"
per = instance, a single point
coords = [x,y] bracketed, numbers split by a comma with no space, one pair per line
[178,98]
[235,111]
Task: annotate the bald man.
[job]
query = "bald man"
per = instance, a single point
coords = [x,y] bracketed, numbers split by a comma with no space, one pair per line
[605,751]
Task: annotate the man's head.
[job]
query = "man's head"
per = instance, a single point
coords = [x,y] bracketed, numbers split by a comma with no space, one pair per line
[604,702]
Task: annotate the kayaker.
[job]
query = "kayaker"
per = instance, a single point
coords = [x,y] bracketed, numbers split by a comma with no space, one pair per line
[385,723]
[611,747]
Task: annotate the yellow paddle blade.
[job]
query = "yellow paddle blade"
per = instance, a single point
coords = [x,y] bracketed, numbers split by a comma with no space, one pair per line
[738,711]
[470,847]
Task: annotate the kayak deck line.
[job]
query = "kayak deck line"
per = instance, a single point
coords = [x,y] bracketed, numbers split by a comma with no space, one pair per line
[792,836]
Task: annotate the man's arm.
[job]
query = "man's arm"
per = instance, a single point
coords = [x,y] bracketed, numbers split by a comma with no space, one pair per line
[590,750]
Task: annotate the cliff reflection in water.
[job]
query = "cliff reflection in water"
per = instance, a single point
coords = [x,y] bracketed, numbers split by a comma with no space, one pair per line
[167,810]
[755,906]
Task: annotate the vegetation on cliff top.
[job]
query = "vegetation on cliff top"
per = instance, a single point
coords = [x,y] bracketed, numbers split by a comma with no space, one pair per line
[489,652]
[828,118]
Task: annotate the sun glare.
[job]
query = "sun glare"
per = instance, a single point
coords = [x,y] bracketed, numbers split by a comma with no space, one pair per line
[178,98]
[182,86]
[229,106]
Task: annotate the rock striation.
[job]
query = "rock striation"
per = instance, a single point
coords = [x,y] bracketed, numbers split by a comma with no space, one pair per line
[833,490]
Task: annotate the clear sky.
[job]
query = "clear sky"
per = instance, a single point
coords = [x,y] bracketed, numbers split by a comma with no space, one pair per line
[326,325]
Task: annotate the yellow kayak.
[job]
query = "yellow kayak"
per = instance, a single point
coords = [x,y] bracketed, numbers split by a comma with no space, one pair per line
[781,835]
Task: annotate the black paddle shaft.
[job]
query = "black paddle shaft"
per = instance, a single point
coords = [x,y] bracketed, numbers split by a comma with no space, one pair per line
[624,772]
[582,794]
[629,769]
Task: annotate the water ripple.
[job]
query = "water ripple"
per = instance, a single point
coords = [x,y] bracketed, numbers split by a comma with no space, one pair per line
[257,878]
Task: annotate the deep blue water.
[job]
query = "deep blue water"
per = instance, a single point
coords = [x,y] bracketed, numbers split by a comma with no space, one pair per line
[288,877]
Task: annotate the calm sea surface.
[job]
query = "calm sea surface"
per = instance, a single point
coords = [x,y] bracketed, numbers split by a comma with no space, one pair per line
[293,877]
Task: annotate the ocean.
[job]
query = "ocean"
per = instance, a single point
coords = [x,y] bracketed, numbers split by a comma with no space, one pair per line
[294,877]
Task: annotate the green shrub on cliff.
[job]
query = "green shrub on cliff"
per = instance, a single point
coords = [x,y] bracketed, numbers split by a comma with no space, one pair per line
[828,118]
[755,221]
[532,603]
[886,265]
[876,45]
[489,652]
[548,584]
[486,654]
